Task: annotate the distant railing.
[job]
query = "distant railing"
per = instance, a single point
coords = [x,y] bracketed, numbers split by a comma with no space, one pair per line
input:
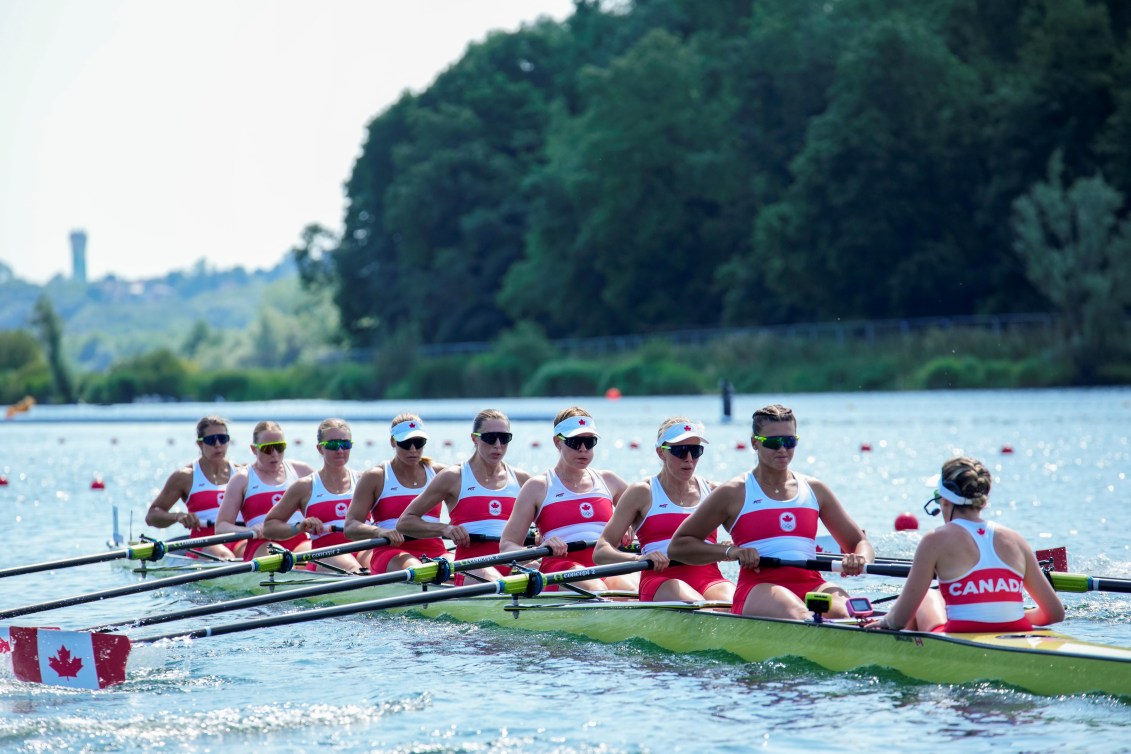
[841,332]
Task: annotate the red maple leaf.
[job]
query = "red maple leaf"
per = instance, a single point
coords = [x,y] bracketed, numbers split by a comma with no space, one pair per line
[65,665]
[686,427]
[5,647]
[981,532]
[581,422]
[412,425]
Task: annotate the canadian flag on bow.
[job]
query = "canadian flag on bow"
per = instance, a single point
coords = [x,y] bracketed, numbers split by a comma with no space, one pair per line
[75,659]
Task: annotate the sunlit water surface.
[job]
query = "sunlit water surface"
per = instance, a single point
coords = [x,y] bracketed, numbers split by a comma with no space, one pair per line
[399,684]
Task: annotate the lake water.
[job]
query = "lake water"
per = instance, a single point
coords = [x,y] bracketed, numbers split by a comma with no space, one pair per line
[400,684]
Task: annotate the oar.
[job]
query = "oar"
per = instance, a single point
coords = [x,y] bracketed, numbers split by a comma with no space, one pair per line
[432,572]
[1061,582]
[104,656]
[1057,557]
[279,562]
[148,550]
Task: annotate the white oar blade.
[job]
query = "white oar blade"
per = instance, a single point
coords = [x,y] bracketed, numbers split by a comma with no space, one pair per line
[74,659]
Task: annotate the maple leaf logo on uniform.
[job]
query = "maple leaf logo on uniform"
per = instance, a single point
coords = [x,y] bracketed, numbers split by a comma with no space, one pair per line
[495,508]
[787,521]
[587,510]
[64,665]
[982,532]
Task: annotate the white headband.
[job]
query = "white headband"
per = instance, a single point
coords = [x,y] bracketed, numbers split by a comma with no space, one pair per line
[681,431]
[576,425]
[949,496]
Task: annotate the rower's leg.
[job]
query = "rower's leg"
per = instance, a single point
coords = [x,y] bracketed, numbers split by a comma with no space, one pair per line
[773,601]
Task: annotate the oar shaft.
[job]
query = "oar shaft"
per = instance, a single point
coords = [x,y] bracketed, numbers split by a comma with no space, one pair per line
[344,585]
[522,583]
[129,552]
[187,578]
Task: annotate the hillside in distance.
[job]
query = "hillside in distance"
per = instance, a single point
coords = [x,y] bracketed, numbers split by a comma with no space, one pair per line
[206,315]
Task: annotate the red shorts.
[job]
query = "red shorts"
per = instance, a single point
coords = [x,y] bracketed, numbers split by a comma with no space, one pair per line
[477,550]
[432,547]
[797,580]
[974,627]
[572,561]
[698,577]
[255,544]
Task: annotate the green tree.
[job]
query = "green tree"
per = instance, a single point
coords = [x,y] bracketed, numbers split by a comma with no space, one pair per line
[878,219]
[1076,251]
[50,328]
[644,175]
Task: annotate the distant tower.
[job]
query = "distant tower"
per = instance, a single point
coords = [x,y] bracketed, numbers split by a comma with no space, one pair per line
[78,254]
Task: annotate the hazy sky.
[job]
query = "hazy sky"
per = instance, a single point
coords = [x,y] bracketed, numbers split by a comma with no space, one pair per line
[173,130]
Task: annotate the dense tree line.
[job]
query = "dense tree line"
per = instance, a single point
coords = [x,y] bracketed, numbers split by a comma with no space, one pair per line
[664,164]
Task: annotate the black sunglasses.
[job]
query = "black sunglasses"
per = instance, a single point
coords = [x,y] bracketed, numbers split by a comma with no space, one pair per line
[215,439]
[577,443]
[683,451]
[490,438]
[413,442]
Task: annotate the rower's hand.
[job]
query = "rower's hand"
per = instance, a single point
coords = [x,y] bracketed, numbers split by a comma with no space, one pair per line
[312,525]
[660,561]
[852,565]
[747,557]
[458,535]
[394,536]
[557,546]
[256,531]
[189,520]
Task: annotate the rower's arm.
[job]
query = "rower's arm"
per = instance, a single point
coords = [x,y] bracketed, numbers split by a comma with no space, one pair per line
[847,533]
[689,543]
[522,515]
[296,497]
[176,489]
[234,496]
[626,514]
[365,494]
[443,487]
[1049,608]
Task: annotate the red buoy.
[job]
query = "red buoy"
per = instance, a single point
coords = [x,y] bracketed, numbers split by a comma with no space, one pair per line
[740,445]
[613,393]
[865,447]
[906,521]
[3,481]
[535,444]
[98,484]
[447,443]
[1006,450]
[634,444]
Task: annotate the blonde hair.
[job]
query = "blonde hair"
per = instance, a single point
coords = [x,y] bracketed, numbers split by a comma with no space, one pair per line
[487,415]
[208,420]
[333,424]
[266,426]
[969,478]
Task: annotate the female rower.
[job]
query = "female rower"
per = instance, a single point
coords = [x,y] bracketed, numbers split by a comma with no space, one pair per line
[569,503]
[383,493]
[322,498]
[654,508]
[479,495]
[773,512]
[980,565]
[201,485]
[256,488]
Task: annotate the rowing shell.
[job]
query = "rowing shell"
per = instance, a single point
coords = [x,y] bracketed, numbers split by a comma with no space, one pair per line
[1043,662]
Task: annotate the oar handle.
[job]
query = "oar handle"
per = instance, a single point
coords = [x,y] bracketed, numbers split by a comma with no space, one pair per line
[835,566]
